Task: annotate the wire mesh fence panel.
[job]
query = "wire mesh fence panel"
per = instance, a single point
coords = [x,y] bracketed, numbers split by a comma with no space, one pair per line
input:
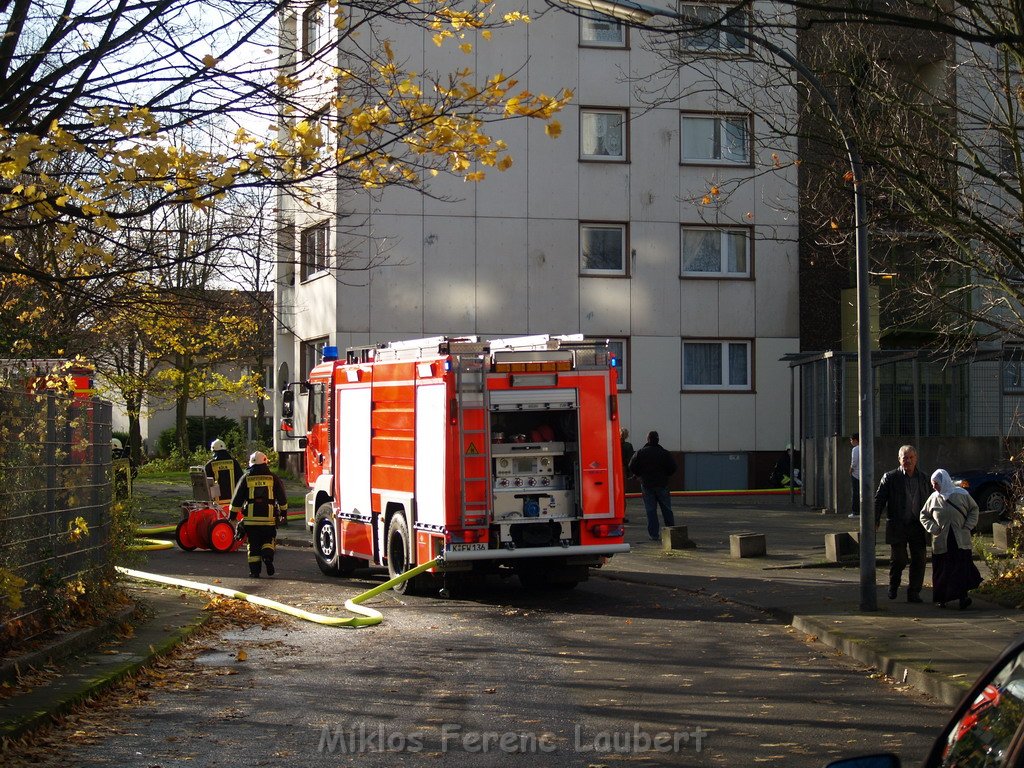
[55,517]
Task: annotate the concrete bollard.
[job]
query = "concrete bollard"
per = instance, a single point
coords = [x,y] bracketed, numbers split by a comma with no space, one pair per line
[676,537]
[747,545]
[841,546]
[1006,536]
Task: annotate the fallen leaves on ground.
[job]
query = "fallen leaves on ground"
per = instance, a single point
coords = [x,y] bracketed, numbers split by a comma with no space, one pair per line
[98,717]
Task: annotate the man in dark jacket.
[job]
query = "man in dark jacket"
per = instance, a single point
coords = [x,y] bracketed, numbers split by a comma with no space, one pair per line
[901,494]
[654,466]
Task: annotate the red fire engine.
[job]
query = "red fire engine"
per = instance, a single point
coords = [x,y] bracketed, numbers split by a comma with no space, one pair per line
[497,456]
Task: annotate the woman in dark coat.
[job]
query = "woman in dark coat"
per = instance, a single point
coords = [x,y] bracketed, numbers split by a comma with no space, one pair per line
[950,515]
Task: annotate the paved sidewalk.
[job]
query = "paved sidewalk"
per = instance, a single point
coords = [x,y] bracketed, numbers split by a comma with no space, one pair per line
[169,617]
[937,651]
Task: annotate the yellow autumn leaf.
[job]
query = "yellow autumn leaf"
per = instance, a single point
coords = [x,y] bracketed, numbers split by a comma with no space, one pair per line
[209,60]
[553,129]
[466,47]
[242,655]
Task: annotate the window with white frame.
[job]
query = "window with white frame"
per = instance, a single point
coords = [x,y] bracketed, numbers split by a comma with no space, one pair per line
[603,134]
[715,35]
[313,249]
[617,347]
[715,252]
[714,139]
[314,27]
[714,364]
[603,249]
[602,31]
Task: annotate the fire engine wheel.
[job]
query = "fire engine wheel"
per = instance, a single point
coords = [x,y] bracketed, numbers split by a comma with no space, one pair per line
[325,543]
[222,536]
[399,546]
[184,536]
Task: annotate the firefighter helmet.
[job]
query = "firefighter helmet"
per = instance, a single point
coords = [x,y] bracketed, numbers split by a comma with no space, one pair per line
[218,445]
[116,444]
[257,458]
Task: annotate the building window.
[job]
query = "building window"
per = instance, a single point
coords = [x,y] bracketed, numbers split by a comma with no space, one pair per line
[314,28]
[1013,376]
[716,365]
[313,135]
[602,134]
[618,346]
[603,249]
[312,355]
[709,139]
[715,252]
[601,31]
[714,38]
[313,248]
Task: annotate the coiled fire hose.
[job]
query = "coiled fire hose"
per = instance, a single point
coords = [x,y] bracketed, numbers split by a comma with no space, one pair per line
[367,617]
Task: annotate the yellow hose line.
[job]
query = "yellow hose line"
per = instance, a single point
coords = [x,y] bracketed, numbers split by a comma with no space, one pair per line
[152,530]
[146,545]
[367,618]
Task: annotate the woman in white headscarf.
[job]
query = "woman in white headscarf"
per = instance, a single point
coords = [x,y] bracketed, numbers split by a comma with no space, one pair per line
[950,515]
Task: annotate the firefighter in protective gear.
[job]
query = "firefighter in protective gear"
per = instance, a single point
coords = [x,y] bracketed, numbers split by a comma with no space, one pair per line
[122,469]
[224,469]
[260,498]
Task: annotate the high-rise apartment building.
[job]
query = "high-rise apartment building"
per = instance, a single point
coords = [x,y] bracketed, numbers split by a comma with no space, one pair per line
[658,220]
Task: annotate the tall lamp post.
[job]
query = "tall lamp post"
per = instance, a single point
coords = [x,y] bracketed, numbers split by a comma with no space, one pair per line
[638,14]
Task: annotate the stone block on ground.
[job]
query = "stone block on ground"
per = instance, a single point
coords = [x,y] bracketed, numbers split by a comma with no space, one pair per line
[676,537]
[841,546]
[747,545]
[1006,536]
[986,520]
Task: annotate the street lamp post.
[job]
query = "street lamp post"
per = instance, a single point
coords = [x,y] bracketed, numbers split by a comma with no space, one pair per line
[638,14]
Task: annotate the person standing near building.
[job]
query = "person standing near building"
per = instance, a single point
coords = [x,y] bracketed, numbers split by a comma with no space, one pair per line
[901,494]
[855,473]
[654,466]
[260,499]
[224,470]
[950,515]
[626,448]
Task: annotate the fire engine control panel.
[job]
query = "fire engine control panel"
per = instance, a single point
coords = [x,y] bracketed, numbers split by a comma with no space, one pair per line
[527,482]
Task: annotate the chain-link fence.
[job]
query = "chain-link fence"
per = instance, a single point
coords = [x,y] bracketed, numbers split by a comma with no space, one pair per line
[55,510]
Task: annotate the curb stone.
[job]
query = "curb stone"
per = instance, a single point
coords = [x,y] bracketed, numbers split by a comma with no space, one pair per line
[23,713]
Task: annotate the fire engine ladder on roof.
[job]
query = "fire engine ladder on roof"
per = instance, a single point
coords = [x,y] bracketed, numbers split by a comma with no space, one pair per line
[471,393]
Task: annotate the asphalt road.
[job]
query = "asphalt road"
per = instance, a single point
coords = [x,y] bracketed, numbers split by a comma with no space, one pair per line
[607,674]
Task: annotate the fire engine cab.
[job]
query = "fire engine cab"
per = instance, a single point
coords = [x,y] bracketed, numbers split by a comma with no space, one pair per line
[498,456]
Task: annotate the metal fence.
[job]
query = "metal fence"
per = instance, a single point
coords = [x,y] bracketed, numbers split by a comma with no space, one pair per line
[961,413]
[55,516]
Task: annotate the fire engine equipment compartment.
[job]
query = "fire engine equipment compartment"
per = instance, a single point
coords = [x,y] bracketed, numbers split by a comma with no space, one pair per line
[535,460]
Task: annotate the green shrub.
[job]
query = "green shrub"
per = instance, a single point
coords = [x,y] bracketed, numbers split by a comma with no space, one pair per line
[216,426]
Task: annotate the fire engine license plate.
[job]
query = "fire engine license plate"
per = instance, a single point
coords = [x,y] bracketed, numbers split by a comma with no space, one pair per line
[480,545]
